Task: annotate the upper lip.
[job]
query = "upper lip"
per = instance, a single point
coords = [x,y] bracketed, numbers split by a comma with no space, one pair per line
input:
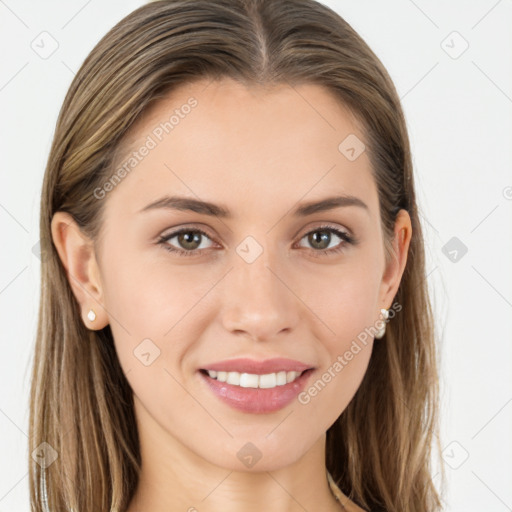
[244,365]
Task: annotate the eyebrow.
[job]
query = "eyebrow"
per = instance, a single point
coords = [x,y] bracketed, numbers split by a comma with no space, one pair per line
[206,208]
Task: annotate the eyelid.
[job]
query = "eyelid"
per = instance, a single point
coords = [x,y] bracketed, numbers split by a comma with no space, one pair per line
[176,231]
[327,225]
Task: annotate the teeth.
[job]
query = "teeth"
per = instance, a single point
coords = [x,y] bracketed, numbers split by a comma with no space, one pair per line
[233,378]
[268,381]
[281,378]
[291,376]
[251,380]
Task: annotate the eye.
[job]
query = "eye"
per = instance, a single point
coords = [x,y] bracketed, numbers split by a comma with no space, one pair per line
[189,240]
[321,238]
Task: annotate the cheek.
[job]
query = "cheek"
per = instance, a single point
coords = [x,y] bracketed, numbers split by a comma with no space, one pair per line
[150,307]
[149,298]
[348,311]
[329,394]
[345,302]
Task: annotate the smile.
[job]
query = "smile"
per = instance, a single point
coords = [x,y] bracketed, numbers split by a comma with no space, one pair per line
[252,380]
[256,393]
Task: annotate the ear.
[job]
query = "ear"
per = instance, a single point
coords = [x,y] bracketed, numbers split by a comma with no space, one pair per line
[76,251]
[396,266]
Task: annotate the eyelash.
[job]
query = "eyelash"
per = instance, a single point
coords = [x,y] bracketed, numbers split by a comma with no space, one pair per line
[345,237]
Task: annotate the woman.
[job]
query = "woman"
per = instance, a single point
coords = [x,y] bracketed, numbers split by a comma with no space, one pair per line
[234,313]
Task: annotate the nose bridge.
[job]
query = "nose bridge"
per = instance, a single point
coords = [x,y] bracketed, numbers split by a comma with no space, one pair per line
[257,300]
[256,265]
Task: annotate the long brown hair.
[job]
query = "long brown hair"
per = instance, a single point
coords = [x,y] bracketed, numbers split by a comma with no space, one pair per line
[379,449]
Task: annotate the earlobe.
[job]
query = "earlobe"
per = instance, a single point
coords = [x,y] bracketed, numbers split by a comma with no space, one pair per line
[76,252]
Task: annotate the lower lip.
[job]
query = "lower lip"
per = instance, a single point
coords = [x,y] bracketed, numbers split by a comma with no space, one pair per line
[257,400]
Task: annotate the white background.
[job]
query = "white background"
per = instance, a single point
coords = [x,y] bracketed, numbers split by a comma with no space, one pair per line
[459,115]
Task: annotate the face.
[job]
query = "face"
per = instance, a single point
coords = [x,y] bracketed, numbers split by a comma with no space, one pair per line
[256,276]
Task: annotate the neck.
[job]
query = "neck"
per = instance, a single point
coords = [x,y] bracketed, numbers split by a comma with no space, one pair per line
[175,478]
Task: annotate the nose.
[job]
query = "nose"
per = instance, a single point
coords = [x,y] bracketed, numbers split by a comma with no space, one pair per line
[258,299]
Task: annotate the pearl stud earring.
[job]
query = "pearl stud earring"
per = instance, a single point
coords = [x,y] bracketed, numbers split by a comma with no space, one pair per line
[91,315]
[385,315]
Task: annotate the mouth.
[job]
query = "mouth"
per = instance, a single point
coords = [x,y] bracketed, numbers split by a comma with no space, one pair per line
[255,393]
[253,380]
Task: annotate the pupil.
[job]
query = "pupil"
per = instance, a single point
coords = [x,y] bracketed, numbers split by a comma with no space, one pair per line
[189,237]
[325,236]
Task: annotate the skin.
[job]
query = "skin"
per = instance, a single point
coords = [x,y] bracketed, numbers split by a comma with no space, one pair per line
[259,153]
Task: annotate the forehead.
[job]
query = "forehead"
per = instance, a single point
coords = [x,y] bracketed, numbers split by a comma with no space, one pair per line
[225,142]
